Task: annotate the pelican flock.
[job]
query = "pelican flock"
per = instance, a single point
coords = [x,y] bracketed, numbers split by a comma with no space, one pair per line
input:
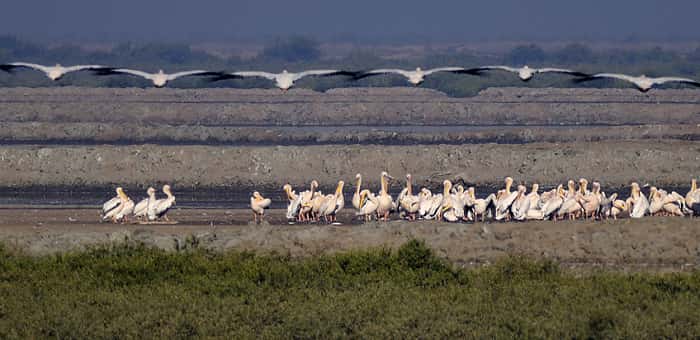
[455,204]
[286,80]
[120,208]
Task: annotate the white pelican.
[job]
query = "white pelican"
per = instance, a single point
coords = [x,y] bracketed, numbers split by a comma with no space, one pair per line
[162,206]
[258,204]
[148,203]
[306,198]
[643,83]
[52,72]
[526,73]
[637,203]
[417,76]
[521,204]
[386,203]
[126,210]
[316,203]
[114,206]
[429,206]
[333,204]
[409,202]
[693,195]
[504,200]
[480,206]
[590,202]
[606,205]
[284,80]
[447,206]
[552,205]
[294,205]
[619,206]
[356,195]
[368,205]
[159,79]
[111,204]
[570,207]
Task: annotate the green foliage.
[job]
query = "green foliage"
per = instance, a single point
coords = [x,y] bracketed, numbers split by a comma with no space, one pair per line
[137,292]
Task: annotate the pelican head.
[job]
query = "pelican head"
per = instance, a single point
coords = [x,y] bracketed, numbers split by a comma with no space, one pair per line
[314,184]
[560,191]
[358,176]
[471,193]
[151,191]
[339,189]
[257,196]
[535,188]
[693,184]
[386,175]
[509,183]
[583,184]
[119,190]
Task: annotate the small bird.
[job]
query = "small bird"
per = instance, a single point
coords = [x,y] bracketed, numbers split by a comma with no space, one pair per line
[52,72]
[526,73]
[159,79]
[643,83]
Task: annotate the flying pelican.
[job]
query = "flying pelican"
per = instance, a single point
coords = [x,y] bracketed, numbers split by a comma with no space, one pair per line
[333,204]
[162,206]
[643,83]
[356,195]
[526,73]
[159,79]
[148,203]
[284,80]
[368,205]
[52,72]
[294,205]
[386,203]
[111,208]
[258,204]
[408,201]
[417,76]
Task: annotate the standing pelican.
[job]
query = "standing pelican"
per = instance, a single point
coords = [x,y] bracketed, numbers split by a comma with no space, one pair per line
[368,205]
[258,204]
[284,80]
[643,83]
[159,79]
[570,207]
[386,203]
[409,202]
[52,72]
[110,205]
[526,73]
[417,76]
[590,202]
[333,204]
[552,205]
[521,204]
[356,195]
[504,200]
[637,203]
[112,209]
[294,205]
[306,198]
[693,195]
[480,206]
[142,208]
[162,206]
[448,204]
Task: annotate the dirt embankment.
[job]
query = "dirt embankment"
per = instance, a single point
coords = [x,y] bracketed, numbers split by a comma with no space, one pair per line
[669,244]
[131,133]
[349,106]
[662,163]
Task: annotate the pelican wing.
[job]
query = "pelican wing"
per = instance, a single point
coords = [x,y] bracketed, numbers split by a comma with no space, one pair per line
[676,80]
[562,70]
[10,66]
[83,67]
[192,73]
[131,72]
[324,73]
[264,203]
[267,75]
[496,67]
[381,71]
[623,77]
[445,69]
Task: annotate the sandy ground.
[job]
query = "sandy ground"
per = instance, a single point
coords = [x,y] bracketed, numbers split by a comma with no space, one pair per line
[668,244]
[349,106]
[268,168]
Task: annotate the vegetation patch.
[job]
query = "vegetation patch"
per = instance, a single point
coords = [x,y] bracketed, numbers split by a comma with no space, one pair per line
[138,292]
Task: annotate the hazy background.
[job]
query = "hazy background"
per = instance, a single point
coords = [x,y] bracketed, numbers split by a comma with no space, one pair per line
[356,20]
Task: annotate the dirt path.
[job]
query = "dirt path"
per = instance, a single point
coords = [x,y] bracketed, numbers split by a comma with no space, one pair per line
[668,244]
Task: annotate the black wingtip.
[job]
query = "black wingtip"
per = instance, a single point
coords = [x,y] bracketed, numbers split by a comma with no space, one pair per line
[222,76]
[104,71]
[7,67]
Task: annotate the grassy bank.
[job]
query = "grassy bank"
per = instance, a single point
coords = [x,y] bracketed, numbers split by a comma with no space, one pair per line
[138,292]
